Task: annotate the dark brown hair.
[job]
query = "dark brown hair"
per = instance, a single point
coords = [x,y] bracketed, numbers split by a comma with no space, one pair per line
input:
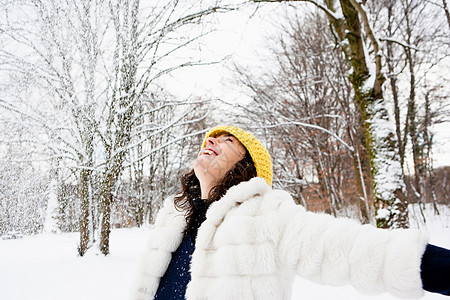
[243,170]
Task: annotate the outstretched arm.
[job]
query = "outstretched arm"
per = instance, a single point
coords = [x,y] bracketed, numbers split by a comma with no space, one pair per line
[341,251]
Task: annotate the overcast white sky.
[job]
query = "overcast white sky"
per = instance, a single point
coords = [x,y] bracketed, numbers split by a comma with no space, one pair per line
[242,37]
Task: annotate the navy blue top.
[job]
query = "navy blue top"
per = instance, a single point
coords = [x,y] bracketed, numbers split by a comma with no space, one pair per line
[174,282]
[435,270]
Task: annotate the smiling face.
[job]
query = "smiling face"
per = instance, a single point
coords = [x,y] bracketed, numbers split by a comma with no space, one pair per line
[218,157]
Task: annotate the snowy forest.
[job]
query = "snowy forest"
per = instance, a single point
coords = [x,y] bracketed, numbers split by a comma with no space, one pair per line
[347,95]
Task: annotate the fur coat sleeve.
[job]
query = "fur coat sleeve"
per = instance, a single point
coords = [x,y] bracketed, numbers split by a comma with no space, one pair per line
[341,251]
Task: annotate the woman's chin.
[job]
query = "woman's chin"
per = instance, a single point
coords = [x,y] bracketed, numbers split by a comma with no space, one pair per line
[199,167]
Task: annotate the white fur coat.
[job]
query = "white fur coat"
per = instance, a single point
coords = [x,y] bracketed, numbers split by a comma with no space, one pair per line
[255,240]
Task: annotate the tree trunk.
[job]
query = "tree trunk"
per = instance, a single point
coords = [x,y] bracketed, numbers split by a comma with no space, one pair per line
[83,192]
[354,53]
[324,184]
[380,140]
[110,178]
[361,169]
[393,84]
[105,204]
[428,140]
[121,113]
[413,133]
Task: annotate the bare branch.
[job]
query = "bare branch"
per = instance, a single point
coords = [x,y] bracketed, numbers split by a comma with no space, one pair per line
[169,143]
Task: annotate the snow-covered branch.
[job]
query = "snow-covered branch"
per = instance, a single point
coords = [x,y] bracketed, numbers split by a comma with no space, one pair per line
[312,126]
[398,42]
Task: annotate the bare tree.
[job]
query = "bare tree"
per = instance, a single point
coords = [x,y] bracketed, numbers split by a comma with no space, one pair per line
[95,63]
[350,22]
[405,41]
[142,48]
[305,99]
[60,65]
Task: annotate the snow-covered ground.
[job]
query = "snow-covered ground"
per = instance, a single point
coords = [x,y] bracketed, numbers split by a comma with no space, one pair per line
[46,267]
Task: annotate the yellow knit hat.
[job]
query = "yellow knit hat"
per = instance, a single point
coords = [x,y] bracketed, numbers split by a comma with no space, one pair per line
[259,154]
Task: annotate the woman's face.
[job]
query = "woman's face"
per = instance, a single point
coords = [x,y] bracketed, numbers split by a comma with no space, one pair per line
[218,157]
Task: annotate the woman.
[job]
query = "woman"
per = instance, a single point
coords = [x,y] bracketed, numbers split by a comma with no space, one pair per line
[228,235]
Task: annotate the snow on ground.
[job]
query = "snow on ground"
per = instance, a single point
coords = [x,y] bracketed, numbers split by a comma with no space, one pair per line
[47,267]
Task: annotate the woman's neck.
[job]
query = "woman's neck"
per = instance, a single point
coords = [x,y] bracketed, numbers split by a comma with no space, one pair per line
[206,185]
[205,189]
